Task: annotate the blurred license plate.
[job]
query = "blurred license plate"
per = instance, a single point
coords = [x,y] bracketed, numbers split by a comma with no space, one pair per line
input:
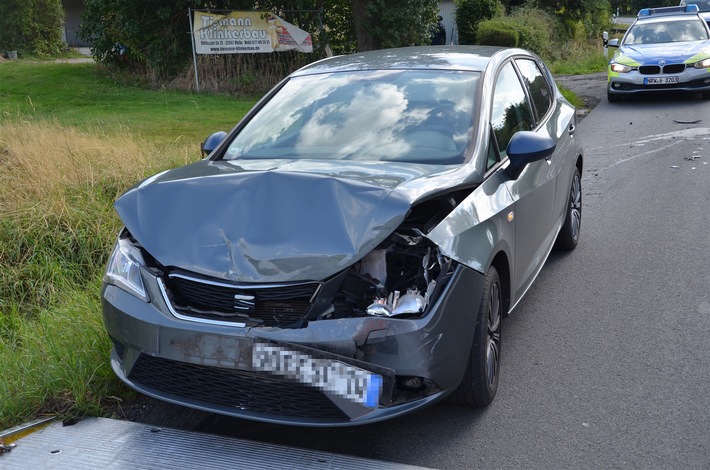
[659,80]
[347,381]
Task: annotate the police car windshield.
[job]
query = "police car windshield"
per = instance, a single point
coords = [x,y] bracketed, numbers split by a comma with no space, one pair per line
[659,32]
[704,5]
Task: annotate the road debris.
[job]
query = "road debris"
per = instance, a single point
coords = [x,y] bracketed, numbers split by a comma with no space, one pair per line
[679,121]
[6,447]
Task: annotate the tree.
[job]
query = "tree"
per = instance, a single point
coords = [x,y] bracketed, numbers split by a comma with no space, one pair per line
[595,15]
[31,26]
[471,12]
[382,24]
[631,7]
[511,4]
[154,36]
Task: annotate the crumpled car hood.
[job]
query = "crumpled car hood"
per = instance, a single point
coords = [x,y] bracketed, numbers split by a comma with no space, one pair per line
[266,222]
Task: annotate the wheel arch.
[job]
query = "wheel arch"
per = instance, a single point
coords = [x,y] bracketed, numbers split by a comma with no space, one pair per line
[502,264]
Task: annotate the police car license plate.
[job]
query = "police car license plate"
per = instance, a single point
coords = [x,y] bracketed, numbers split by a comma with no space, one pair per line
[660,80]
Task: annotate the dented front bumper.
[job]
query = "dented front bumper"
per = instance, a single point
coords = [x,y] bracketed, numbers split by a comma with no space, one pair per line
[330,372]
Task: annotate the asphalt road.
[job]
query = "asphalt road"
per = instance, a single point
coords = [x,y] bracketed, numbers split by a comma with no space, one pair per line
[606,362]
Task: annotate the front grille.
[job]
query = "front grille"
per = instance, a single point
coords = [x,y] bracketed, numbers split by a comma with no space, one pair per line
[656,69]
[235,389]
[674,68]
[273,305]
[649,69]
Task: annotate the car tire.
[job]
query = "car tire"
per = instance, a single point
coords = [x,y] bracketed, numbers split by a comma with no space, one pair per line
[612,97]
[569,233]
[480,382]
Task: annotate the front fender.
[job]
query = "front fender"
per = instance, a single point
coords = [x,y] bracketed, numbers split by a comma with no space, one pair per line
[479,227]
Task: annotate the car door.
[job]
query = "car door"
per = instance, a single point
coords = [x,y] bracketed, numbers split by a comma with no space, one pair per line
[534,189]
[558,122]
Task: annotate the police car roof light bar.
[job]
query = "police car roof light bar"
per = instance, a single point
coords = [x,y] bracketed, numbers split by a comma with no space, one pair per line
[690,8]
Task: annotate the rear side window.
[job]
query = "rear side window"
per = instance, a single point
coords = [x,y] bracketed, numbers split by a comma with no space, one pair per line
[511,110]
[536,84]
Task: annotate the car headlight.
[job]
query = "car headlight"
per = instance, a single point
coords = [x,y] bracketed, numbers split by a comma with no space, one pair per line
[620,68]
[703,64]
[124,269]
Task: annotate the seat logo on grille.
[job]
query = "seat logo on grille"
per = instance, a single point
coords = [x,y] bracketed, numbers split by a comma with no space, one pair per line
[244,303]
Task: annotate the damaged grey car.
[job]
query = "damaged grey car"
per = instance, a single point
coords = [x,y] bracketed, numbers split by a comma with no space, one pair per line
[346,254]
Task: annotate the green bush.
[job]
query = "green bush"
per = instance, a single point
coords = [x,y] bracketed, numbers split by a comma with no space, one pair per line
[583,19]
[31,26]
[396,24]
[153,37]
[469,13]
[497,33]
[526,27]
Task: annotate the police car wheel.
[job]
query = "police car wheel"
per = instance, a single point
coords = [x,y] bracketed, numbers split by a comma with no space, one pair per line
[612,97]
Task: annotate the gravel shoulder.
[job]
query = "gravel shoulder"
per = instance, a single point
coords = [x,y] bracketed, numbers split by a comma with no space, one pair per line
[591,88]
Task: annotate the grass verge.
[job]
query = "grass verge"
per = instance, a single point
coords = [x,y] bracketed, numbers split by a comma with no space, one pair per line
[71,141]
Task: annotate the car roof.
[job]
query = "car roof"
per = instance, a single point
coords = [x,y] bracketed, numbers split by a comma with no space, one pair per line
[467,58]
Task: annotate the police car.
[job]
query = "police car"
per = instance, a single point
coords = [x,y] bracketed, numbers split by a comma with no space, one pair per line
[665,49]
[704,6]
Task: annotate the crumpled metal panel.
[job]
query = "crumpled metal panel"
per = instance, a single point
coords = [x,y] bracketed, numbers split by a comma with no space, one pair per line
[266,226]
[477,226]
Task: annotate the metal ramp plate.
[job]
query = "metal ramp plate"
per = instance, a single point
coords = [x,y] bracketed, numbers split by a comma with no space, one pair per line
[100,443]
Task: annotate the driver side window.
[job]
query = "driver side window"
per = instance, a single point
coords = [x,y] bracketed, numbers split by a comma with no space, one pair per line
[511,111]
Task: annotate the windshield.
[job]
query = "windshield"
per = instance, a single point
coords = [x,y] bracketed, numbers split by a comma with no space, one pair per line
[667,31]
[420,116]
[704,5]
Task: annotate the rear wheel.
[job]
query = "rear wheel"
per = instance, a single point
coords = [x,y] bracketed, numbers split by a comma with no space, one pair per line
[480,383]
[569,233]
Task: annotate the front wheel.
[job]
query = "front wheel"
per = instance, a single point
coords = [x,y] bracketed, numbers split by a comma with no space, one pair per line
[569,234]
[480,383]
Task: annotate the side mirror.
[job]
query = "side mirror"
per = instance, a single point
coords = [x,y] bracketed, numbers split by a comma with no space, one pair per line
[526,147]
[614,42]
[212,142]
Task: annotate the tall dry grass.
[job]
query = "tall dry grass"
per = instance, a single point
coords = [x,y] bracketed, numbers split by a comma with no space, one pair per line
[57,187]
[57,226]
[43,162]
